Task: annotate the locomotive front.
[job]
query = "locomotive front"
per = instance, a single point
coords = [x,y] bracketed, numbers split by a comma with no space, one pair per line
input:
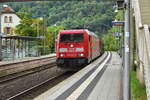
[71,49]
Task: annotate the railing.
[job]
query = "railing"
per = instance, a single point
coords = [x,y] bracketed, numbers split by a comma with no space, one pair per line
[146,60]
[143,46]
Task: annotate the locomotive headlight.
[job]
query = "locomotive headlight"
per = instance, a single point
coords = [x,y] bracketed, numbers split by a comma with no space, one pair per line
[62,49]
[79,49]
[81,54]
[62,55]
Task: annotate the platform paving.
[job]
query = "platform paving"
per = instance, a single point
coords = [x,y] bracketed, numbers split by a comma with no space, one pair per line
[108,87]
[100,82]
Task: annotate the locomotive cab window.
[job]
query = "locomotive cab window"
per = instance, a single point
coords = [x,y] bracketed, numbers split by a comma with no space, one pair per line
[73,37]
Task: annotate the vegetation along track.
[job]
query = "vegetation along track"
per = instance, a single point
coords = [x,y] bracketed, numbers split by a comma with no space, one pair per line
[30,68]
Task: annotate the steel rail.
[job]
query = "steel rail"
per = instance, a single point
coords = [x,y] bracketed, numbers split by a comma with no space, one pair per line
[24,61]
[29,89]
[26,72]
[12,68]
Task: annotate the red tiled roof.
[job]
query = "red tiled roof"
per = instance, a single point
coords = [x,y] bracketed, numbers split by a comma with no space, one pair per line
[8,9]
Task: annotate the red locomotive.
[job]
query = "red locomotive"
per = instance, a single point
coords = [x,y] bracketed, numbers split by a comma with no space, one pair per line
[76,48]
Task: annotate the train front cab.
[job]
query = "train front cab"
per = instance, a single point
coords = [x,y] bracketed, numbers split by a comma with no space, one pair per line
[72,50]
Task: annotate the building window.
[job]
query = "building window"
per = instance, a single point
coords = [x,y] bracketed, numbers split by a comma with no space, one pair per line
[5,19]
[8,30]
[10,19]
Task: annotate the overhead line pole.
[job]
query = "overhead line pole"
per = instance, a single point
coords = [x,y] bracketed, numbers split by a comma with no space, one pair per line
[126,85]
[123,39]
[0,38]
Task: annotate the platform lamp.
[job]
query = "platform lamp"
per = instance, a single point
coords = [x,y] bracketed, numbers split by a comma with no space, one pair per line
[44,32]
[120,4]
[38,23]
[38,33]
[55,39]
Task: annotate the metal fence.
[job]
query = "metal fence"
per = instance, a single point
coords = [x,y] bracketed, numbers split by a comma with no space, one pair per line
[17,47]
[143,46]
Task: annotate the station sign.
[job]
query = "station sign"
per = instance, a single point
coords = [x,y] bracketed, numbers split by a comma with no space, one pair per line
[117,23]
[117,34]
[41,37]
[1,34]
[113,34]
[117,38]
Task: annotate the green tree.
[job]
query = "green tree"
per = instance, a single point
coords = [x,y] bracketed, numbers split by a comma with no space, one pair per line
[90,14]
[51,32]
[25,28]
[109,40]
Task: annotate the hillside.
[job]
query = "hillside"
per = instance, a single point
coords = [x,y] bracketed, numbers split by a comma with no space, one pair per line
[91,14]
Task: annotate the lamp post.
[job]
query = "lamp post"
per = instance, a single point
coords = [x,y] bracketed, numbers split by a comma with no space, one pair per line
[55,39]
[126,77]
[116,11]
[126,89]
[0,40]
[38,31]
[38,34]
[44,32]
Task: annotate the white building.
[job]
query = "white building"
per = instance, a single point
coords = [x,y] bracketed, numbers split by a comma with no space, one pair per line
[9,20]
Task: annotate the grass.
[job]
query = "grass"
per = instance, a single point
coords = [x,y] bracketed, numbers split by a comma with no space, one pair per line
[138,90]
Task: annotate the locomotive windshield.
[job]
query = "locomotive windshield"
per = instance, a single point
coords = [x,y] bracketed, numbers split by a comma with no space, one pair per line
[73,37]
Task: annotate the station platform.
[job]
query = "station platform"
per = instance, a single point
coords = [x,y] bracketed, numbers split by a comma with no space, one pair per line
[24,59]
[100,80]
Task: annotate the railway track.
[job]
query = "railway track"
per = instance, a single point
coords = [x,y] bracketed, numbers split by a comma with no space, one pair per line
[6,82]
[10,71]
[9,65]
[41,64]
[29,94]
[37,79]
[26,72]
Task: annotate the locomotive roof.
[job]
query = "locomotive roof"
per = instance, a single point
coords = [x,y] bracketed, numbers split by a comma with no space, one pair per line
[92,33]
[79,30]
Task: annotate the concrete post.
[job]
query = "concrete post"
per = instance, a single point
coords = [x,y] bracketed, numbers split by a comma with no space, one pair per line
[25,46]
[6,48]
[22,46]
[14,50]
[126,83]
[140,56]
[122,30]
[131,40]
[18,48]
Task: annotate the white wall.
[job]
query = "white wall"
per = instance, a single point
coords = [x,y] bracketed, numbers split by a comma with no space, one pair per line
[15,21]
